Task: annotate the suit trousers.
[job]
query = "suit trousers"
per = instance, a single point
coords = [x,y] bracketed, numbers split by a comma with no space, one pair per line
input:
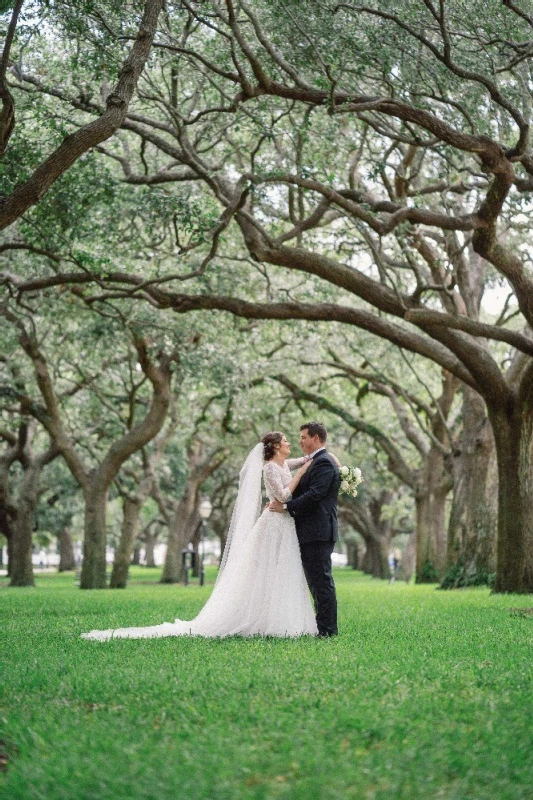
[316,560]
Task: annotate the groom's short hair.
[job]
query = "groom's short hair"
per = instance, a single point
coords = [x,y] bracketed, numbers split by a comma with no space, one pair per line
[315,429]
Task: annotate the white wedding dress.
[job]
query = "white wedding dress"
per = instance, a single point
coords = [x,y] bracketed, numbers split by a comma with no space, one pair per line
[261,588]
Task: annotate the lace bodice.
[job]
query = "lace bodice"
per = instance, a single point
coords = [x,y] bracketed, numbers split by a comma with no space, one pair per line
[277,478]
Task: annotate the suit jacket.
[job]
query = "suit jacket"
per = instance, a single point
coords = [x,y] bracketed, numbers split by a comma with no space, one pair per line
[314,502]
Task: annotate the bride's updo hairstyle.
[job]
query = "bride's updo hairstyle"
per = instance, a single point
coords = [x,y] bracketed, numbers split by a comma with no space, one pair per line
[270,440]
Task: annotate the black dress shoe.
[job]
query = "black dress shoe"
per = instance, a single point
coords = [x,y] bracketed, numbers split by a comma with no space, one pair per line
[326,635]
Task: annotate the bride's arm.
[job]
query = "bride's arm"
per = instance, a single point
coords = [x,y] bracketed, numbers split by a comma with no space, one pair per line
[292,463]
[274,483]
[296,478]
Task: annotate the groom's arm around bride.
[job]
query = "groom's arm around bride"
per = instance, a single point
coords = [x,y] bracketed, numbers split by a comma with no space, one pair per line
[314,503]
[314,509]
[321,480]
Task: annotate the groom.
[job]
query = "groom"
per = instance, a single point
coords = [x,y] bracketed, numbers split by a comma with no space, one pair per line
[314,508]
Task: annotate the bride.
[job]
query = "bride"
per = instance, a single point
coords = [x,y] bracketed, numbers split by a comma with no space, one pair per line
[261,587]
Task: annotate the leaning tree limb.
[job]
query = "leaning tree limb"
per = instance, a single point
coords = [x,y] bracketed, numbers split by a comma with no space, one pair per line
[98,130]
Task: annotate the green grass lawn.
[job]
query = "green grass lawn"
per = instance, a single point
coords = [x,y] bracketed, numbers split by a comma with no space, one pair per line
[425,694]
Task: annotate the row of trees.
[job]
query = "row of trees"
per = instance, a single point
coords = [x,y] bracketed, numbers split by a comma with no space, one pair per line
[366,166]
[223,393]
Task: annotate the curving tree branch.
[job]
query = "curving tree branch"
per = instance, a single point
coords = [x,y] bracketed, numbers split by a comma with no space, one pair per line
[31,191]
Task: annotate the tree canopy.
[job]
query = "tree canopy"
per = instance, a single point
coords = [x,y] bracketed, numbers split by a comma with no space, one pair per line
[368,166]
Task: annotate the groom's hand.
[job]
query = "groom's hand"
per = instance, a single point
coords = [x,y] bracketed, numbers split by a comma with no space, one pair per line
[275,505]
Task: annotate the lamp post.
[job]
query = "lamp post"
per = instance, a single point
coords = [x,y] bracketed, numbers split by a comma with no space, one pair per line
[204,510]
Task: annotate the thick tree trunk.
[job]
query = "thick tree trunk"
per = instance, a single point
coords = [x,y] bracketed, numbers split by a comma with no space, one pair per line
[21,573]
[180,533]
[67,561]
[408,563]
[382,559]
[473,525]
[367,520]
[22,569]
[181,530]
[376,558]
[172,570]
[352,554]
[93,568]
[513,437]
[130,526]
[7,510]
[430,504]
[367,562]
[136,555]
[149,544]
[434,482]
[96,486]
[430,499]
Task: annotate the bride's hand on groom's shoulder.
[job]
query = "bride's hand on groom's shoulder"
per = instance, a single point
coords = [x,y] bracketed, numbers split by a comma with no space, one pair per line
[305,466]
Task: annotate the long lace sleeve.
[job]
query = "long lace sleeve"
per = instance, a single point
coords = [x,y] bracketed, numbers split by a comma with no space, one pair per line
[294,463]
[274,483]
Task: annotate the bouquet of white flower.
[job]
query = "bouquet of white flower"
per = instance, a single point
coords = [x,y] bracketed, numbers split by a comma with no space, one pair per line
[350,479]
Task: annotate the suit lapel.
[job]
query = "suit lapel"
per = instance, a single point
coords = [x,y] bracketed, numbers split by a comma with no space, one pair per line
[305,478]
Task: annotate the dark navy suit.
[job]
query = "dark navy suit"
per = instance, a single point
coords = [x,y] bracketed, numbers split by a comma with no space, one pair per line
[314,509]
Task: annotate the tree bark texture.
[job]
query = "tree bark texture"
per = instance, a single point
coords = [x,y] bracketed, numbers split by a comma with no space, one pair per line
[21,571]
[149,546]
[435,479]
[376,558]
[7,511]
[473,524]
[16,444]
[352,553]
[128,550]
[181,531]
[67,561]
[93,569]
[130,526]
[430,502]
[513,437]
[22,568]
[184,518]
[7,114]
[376,532]
[93,574]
